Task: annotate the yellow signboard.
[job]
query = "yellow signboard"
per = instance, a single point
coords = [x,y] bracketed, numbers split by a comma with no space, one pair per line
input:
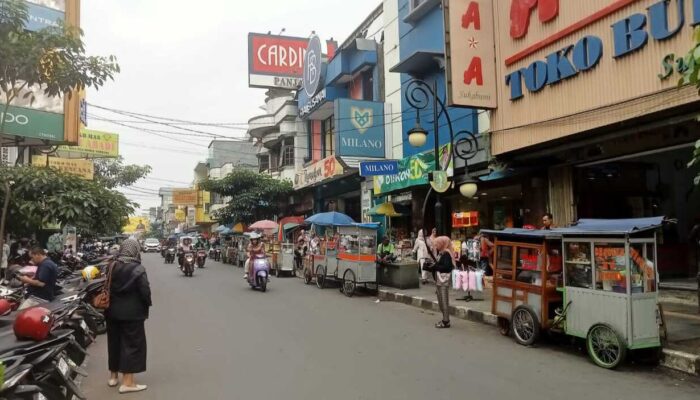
[180,215]
[83,168]
[137,225]
[184,197]
[94,144]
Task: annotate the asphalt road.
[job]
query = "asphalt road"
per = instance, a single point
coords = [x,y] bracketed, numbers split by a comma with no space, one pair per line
[212,337]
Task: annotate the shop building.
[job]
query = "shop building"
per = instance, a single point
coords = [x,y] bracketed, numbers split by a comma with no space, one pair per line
[341,103]
[589,111]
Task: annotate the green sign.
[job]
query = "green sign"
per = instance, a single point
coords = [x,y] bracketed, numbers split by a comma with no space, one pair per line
[413,171]
[35,124]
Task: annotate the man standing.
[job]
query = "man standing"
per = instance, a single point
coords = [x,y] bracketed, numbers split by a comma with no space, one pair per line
[43,286]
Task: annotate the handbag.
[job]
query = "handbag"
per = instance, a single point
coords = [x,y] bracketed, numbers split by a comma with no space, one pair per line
[101,300]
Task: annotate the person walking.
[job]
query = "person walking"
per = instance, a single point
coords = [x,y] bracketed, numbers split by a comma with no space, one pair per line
[130,300]
[443,277]
[421,250]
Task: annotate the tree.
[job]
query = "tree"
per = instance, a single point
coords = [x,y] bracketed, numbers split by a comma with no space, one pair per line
[253,196]
[689,67]
[112,173]
[42,196]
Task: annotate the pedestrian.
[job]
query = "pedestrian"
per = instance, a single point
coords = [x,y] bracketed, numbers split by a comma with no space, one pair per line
[443,277]
[486,247]
[41,288]
[130,300]
[548,222]
[420,248]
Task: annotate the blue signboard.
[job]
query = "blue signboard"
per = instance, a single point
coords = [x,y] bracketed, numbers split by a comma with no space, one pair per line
[379,168]
[359,128]
[41,17]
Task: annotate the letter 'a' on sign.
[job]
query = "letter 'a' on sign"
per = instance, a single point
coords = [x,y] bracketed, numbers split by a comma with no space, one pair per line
[470,53]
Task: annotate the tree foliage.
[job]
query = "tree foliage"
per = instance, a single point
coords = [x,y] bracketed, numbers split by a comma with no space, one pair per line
[52,59]
[254,196]
[691,75]
[41,196]
[113,173]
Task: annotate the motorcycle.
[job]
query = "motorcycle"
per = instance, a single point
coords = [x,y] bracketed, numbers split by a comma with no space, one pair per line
[188,264]
[201,258]
[170,256]
[217,254]
[261,272]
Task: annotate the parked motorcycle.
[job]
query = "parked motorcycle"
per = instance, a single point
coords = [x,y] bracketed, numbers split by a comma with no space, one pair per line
[201,258]
[170,256]
[188,262]
[261,272]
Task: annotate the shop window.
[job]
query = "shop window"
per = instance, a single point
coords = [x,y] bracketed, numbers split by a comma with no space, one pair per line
[577,260]
[328,130]
[610,267]
[367,86]
[529,266]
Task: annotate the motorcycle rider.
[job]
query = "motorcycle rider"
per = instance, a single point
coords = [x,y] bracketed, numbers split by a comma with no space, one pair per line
[255,248]
[186,247]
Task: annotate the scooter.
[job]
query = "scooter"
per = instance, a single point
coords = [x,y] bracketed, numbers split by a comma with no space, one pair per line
[261,272]
[170,256]
[201,258]
[188,264]
[217,254]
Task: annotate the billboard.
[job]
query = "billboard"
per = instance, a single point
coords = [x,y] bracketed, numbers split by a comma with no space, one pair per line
[359,128]
[275,61]
[184,197]
[83,168]
[137,225]
[93,144]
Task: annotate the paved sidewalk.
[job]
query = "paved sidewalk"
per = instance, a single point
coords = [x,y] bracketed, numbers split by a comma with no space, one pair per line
[682,352]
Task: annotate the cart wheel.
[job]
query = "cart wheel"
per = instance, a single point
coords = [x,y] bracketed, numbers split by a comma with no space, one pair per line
[605,347]
[525,326]
[308,276]
[320,277]
[349,284]
[503,326]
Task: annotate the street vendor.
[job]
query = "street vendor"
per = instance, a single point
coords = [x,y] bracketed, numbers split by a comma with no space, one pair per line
[386,252]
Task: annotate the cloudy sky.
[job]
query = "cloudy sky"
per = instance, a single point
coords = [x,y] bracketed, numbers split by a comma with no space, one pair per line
[187,60]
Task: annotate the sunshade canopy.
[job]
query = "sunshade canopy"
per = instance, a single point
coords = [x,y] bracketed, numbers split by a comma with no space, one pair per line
[330,218]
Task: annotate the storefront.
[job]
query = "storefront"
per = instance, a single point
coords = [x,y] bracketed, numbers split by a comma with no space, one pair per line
[591,96]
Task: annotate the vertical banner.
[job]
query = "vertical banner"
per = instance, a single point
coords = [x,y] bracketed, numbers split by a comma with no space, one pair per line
[470,52]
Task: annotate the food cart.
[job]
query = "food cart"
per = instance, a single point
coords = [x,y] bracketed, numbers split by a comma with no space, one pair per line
[357,256]
[289,232]
[324,265]
[596,280]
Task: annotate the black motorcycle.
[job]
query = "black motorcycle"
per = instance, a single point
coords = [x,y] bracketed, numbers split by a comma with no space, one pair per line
[170,256]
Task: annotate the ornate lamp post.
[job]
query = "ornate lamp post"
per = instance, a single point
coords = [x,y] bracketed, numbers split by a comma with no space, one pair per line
[420,96]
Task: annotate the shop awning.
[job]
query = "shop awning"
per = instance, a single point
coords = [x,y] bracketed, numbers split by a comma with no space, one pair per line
[289,226]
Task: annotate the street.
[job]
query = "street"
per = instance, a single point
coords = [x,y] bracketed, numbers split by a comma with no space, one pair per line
[211,337]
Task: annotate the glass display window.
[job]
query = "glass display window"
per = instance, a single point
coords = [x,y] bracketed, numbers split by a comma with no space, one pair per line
[642,268]
[504,262]
[610,267]
[577,261]
[529,263]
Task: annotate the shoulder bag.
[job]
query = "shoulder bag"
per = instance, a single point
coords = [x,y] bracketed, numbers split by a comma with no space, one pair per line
[101,300]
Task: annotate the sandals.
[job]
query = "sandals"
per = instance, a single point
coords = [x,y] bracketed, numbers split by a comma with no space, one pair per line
[442,325]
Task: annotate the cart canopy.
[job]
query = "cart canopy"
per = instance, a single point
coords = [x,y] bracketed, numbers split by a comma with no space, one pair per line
[329,219]
[587,227]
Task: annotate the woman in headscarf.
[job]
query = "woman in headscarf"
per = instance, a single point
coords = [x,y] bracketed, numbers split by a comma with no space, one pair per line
[130,300]
[443,275]
[421,250]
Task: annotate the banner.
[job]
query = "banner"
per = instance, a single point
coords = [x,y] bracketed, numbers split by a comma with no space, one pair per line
[94,144]
[184,197]
[83,168]
[318,172]
[413,171]
[30,123]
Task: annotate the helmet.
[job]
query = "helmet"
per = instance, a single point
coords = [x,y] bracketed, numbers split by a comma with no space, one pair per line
[90,273]
[33,323]
[254,236]
[5,307]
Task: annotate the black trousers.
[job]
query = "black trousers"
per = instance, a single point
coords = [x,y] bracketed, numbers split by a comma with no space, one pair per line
[126,346]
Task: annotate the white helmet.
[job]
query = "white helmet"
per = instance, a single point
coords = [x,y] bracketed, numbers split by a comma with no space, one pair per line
[255,235]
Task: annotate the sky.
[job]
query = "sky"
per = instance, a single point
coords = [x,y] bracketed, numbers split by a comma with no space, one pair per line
[188,60]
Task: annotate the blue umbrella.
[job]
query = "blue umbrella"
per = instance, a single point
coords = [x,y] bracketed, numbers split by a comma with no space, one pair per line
[221,228]
[329,218]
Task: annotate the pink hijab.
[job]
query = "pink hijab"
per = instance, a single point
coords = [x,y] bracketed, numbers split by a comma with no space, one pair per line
[443,243]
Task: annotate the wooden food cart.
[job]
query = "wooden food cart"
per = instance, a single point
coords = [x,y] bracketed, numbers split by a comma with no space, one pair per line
[596,281]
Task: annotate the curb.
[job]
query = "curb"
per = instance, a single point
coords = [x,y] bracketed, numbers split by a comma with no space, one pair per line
[672,359]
